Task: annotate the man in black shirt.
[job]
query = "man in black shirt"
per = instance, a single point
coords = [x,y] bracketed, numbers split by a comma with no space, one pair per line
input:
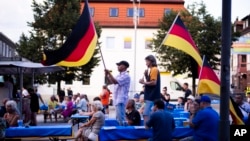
[187,91]
[132,115]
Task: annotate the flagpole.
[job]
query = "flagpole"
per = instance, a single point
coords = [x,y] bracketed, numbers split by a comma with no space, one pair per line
[102,58]
[168,32]
[203,59]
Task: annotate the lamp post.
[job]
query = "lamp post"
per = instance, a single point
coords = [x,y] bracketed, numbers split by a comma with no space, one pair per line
[135,22]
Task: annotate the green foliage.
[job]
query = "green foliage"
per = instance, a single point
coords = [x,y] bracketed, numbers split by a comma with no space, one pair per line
[53,23]
[205,31]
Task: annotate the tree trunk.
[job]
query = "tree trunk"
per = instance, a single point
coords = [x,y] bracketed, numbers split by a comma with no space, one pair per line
[58,86]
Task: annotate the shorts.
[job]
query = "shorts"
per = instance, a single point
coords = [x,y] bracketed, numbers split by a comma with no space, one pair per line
[148,107]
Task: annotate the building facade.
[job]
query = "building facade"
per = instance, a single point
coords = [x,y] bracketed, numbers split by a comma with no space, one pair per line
[124,37]
[240,56]
[7,48]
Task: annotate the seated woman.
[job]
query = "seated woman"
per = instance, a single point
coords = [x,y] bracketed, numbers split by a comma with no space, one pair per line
[69,108]
[53,110]
[12,115]
[94,125]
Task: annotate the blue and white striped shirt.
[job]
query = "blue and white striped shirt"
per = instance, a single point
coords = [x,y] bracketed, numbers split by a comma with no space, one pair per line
[122,88]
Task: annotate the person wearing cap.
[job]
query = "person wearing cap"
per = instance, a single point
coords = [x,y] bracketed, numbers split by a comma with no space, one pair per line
[152,85]
[190,100]
[121,88]
[206,122]
[137,101]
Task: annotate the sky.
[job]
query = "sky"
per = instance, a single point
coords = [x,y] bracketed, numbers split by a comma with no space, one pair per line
[15,14]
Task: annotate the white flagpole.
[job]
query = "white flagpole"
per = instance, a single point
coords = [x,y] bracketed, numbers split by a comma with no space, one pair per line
[168,32]
[200,73]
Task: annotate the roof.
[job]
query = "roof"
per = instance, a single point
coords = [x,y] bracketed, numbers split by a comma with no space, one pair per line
[142,1]
[7,40]
[246,17]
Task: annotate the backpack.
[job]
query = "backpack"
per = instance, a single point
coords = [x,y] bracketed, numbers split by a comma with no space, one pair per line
[3,126]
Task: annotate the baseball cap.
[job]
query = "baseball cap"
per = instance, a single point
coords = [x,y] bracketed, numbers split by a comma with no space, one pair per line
[191,97]
[136,95]
[205,99]
[125,63]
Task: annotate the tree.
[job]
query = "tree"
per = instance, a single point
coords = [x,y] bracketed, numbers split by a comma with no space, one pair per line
[205,31]
[53,23]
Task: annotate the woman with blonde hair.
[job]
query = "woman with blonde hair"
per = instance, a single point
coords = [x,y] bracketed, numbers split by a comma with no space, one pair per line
[90,129]
[12,114]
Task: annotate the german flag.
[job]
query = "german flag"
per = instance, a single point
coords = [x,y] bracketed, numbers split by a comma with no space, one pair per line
[79,47]
[210,84]
[208,80]
[179,38]
[235,113]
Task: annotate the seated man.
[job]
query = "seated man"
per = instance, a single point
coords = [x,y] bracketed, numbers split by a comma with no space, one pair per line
[137,101]
[206,122]
[82,105]
[132,115]
[162,122]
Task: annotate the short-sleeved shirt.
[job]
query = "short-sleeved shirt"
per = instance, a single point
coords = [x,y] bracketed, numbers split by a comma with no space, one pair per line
[135,117]
[82,105]
[122,88]
[100,119]
[152,92]
[206,124]
[53,104]
[138,105]
[163,125]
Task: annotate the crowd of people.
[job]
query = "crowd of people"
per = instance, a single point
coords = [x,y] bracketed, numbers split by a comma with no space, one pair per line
[152,105]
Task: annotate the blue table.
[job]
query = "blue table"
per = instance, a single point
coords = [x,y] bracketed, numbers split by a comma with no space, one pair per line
[113,133]
[182,114]
[39,131]
[78,118]
[114,122]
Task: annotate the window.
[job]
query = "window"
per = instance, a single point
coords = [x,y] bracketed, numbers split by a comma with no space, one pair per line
[91,11]
[127,43]
[243,58]
[110,42]
[175,86]
[4,49]
[130,12]
[148,43]
[1,48]
[68,82]
[113,12]
[141,12]
[86,80]
[167,11]
[7,51]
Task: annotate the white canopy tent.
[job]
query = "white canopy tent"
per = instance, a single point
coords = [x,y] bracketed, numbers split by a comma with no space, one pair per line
[25,67]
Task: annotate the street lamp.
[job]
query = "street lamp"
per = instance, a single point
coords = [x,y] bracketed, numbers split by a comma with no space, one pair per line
[136,22]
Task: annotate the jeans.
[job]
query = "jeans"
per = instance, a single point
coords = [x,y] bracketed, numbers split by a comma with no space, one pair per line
[120,113]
